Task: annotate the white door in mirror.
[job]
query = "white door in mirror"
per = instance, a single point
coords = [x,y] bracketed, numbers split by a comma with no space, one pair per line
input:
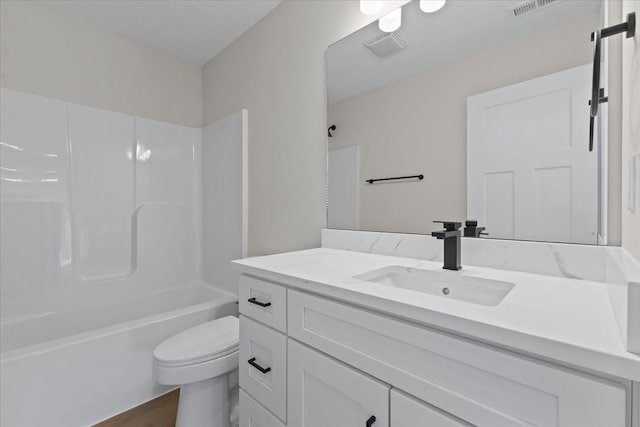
[530,175]
[344,188]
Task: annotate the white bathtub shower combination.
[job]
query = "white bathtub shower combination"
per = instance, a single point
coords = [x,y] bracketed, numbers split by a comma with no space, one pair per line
[79,367]
[101,253]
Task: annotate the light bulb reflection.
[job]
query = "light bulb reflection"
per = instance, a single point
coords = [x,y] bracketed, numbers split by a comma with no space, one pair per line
[430,6]
[370,7]
[391,21]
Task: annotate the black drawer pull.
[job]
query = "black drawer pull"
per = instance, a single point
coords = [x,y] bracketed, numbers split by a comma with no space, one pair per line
[253,363]
[371,420]
[256,302]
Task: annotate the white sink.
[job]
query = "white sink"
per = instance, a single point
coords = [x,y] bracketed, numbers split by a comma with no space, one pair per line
[442,283]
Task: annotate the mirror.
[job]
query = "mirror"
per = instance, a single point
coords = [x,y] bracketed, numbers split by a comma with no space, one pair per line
[481,109]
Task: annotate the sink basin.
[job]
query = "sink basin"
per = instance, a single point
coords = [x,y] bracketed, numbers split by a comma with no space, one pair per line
[441,283]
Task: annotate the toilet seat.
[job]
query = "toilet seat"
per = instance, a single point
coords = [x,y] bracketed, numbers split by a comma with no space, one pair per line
[178,364]
[204,351]
[201,343]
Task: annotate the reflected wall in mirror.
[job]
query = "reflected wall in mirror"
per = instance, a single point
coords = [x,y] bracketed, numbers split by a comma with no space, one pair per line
[491,108]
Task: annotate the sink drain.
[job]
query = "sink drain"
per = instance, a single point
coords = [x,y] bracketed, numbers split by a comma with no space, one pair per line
[445,291]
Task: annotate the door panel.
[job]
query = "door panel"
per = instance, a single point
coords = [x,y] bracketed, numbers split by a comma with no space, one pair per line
[267,349]
[324,392]
[530,175]
[252,414]
[344,188]
[407,410]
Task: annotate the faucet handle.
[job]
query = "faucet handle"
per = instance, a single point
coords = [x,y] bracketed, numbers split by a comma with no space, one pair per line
[471,223]
[450,225]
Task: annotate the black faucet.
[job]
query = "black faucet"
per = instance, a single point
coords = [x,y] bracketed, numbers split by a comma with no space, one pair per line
[451,237]
[471,229]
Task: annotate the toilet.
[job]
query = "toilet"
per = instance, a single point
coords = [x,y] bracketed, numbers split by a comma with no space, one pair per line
[200,360]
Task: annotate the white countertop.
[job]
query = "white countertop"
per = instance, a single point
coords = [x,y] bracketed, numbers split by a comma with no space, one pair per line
[559,319]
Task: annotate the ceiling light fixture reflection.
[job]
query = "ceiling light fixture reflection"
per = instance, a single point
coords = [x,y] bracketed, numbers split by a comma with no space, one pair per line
[370,7]
[430,6]
[391,21]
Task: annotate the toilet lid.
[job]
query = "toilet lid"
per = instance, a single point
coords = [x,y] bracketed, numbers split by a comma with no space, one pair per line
[202,342]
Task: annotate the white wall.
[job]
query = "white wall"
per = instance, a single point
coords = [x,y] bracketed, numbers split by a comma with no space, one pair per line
[276,70]
[45,53]
[418,126]
[630,130]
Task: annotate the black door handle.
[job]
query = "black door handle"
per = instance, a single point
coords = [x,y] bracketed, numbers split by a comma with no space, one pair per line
[370,421]
[253,363]
[256,302]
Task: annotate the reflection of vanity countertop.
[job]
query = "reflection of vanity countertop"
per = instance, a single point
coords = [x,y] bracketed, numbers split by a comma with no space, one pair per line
[558,319]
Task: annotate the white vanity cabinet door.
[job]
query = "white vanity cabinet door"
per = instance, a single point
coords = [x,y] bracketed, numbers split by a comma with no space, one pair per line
[252,414]
[407,411]
[478,383]
[326,393]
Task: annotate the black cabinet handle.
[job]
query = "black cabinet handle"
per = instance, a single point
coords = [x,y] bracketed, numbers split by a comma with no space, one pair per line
[256,302]
[253,363]
[371,420]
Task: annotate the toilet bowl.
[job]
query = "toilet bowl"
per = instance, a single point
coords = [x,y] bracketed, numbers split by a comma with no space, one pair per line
[200,360]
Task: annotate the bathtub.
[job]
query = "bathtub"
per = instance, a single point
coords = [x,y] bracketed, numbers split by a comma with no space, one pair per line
[87,357]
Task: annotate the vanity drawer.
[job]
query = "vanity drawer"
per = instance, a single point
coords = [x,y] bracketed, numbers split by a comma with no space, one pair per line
[253,414]
[405,410]
[475,382]
[263,365]
[263,301]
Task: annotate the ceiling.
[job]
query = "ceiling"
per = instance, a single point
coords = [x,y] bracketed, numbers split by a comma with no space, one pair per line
[191,30]
[459,29]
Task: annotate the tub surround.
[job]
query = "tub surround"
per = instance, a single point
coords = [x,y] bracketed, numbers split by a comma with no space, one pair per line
[560,319]
[103,311]
[103,371]
[224,197]
[102,244]
[94,197]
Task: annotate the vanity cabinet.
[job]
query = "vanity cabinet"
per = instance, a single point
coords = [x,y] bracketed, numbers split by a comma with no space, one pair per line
[324,392]
[263,368]
[263,301]
[253,414]
[333,364]
[405,410]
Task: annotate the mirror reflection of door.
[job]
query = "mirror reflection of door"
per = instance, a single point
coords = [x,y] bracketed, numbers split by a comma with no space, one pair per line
[529,174]
[344,188]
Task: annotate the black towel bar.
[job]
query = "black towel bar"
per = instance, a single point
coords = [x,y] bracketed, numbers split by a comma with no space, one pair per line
[371,181]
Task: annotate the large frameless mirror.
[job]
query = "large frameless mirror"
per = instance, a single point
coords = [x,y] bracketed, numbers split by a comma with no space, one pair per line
[479,111]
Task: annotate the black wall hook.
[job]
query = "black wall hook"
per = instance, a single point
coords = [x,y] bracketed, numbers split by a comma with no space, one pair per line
[331,128]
